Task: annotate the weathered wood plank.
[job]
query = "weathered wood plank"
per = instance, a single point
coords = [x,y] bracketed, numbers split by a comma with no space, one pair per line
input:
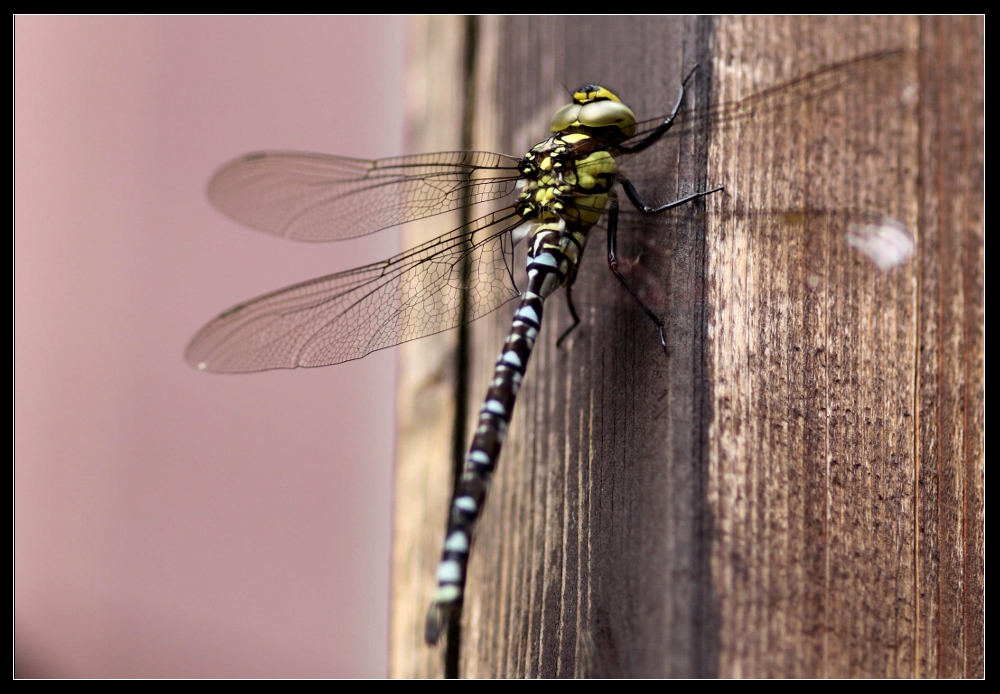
[951,377]
[812,362]
[426,368]
[797,490]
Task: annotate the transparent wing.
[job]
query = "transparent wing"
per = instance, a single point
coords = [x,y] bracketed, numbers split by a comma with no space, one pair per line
[832,79]
[884,241]
[350,314]
[318,197]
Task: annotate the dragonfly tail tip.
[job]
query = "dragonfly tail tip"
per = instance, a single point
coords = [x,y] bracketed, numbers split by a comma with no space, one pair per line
[437,619]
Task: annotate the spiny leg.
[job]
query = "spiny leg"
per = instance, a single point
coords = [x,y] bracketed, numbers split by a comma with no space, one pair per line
[572,312]
[613,265]
[664,126]
[640,204]
[636,200]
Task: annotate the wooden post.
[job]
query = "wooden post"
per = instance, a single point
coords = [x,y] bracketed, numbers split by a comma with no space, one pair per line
[797,489]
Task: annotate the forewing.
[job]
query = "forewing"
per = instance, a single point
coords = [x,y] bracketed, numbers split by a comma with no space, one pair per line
[350,314]
[318,197]
[830,80]
[884,241]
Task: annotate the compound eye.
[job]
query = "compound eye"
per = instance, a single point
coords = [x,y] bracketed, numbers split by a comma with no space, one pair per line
[565,117]
[602,114]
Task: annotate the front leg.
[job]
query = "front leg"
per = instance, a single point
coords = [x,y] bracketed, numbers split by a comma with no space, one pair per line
[664,126]
[613,265]
[640,204]
[633,196]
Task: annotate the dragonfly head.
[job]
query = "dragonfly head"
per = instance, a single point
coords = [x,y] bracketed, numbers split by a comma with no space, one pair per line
[594,92]
[593,107]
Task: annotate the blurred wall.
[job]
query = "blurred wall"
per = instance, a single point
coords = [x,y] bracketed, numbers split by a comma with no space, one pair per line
[168,522]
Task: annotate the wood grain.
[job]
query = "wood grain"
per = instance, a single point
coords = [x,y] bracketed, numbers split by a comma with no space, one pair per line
[426,368]
[797,489]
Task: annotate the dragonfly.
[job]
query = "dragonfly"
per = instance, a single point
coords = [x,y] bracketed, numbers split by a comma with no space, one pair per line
[550,199]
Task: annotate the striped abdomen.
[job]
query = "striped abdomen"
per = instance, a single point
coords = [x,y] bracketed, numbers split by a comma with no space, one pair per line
[552,260]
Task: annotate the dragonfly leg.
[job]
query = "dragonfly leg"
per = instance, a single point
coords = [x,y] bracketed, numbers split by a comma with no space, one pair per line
[613,265]
[664,126]
[640,204]
[572,312]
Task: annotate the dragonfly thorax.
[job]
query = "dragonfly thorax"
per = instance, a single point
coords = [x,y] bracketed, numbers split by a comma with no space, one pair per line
[565,191]
[570,174]
[566,178]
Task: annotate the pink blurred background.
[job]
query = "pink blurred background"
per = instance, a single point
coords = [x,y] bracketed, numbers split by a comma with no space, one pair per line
[168,522]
